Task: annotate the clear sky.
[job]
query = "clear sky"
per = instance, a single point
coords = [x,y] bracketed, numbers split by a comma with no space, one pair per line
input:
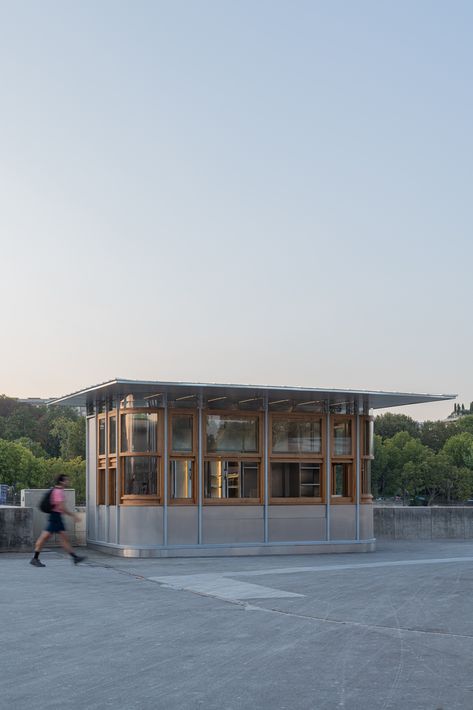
[248,191]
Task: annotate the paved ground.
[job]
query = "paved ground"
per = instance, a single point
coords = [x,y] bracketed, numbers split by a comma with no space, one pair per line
[387,630]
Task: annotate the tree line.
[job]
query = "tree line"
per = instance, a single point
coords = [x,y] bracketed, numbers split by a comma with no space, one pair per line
[423,462]
[37,443]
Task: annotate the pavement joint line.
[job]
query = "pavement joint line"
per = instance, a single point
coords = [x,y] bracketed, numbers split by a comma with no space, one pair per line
[341,622]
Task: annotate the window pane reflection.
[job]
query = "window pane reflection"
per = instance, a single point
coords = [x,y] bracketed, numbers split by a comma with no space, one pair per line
[139,432]
[297,436]
[342,445]
[101,437]
[232,433]
[140,475]
[181,475]
[231,479]
[341,479]
[113,435]
[181,436]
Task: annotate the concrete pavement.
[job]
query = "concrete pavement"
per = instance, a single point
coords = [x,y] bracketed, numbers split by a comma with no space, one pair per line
[387,630]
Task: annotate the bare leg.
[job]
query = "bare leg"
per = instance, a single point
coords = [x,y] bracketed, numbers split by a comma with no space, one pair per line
[45,535]
[65,542]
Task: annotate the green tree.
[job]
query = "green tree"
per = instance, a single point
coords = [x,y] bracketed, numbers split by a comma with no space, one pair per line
[389,471]
[465,423]
[435,434]
[459,450]
[70,435]
[387,425]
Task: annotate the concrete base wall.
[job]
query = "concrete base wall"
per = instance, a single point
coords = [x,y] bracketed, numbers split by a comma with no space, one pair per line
[16,529]
[423,523]
[236,550]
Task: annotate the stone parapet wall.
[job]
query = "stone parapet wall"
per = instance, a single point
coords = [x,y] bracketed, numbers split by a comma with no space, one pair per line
[16,528]
[423,523]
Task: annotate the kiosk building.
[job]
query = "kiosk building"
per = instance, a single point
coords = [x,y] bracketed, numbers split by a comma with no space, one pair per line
[180,469]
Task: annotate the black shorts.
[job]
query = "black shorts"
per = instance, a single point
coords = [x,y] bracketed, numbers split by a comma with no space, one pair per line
[55,524]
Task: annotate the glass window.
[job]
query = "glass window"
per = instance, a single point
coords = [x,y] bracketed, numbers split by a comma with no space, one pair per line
[139,432]
[232,433]
[231,479]
[342,444]
[101,486]
[297,435]
[341,479]
[140,475]
[181,472]
[292,479]
[367,437]
[182,432]
[112,424]
[366,477]
[101,437]
[112,486]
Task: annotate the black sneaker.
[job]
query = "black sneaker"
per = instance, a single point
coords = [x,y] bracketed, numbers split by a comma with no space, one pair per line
[36,562]
[78,558]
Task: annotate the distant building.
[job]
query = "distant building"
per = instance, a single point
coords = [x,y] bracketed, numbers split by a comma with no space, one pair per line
[459,411]
[178,469]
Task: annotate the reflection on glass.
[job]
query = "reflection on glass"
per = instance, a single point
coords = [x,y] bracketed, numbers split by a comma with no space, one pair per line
[112,486]
[132,401]
[340,479]
[366,477]
[181,426]
[290,479]
[232,433]
[101,437]
[231,479]
[112,423]
[297,435]
[140,475]
[101,486]
[181,476]
[139,432]
[342,445]
[368,437]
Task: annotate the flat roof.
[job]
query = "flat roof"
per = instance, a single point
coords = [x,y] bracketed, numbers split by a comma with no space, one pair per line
[299,395]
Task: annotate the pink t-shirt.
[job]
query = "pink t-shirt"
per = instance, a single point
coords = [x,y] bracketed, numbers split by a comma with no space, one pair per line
[57,497]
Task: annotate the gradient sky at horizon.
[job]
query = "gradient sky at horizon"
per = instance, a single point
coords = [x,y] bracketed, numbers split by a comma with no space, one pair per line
[252,192]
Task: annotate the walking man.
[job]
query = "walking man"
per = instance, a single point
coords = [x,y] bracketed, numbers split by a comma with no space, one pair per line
[55,524]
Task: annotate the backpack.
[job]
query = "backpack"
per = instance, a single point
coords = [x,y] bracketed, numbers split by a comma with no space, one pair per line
[45,502]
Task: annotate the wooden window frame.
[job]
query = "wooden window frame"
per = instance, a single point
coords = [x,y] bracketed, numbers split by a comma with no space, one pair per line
[142,500]
[239,415]
[112,489]
[335,419]
[234,501]
[343,500]
[301,500]
[183,455]
[256,456]
[364,457]
[111,414]
[293,455]
[101,474]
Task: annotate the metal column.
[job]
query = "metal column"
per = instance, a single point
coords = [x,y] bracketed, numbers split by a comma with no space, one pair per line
[357,471]
[165,473]
[328,472]
[118,474]
[266,470]
[200,466]
[107,507]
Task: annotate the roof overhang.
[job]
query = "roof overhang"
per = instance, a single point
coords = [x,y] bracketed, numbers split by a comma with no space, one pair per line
[118,388]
